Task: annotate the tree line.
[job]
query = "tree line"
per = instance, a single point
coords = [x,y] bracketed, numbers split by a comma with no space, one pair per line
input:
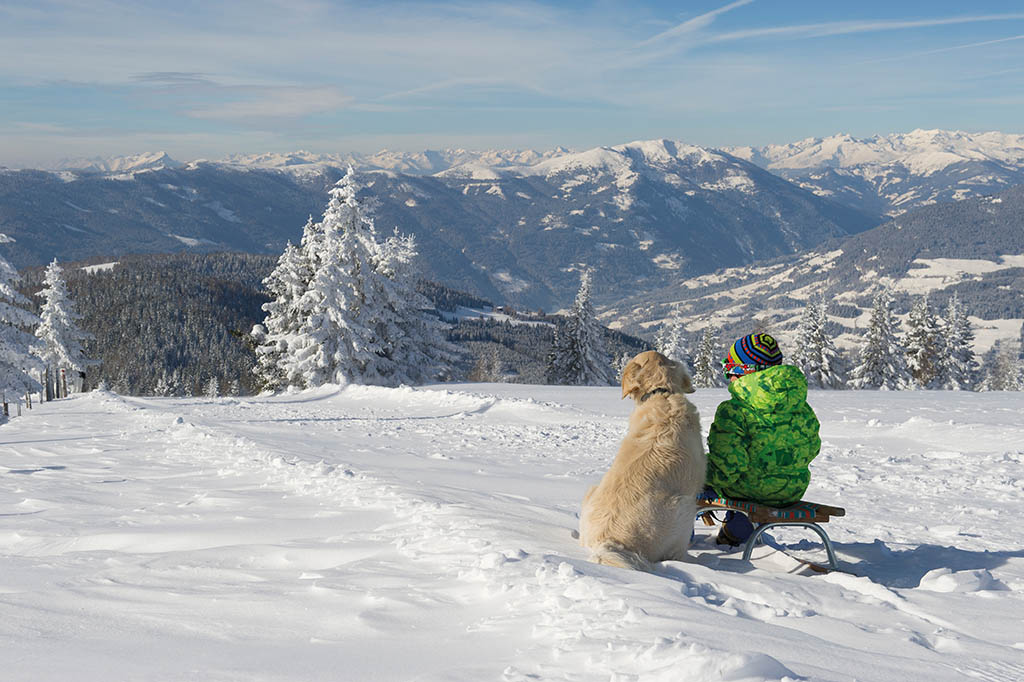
[933,350]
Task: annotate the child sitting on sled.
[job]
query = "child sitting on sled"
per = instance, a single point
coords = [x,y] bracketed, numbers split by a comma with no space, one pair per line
[764,436]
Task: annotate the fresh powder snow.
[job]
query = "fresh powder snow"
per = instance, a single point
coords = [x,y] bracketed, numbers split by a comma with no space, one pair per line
[371,533]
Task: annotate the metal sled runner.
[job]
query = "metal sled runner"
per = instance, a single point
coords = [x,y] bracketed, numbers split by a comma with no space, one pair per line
[805,514]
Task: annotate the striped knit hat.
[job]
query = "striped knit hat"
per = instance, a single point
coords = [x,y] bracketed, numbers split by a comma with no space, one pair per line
[754,349]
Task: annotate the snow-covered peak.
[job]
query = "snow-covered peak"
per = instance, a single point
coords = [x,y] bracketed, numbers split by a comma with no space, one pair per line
[456,162]
[274,160]
[920,151]
[121,164]
[661,152]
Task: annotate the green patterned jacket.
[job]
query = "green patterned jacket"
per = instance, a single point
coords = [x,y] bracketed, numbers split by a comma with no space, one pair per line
[763,438]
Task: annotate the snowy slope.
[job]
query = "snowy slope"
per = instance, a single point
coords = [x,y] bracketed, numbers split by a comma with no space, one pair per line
[974,248]
[395,534]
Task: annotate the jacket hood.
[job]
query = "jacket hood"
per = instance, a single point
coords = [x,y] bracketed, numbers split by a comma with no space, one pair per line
[778,388]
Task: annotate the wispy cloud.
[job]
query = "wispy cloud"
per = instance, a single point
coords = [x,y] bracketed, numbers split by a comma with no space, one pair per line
[825,29]
[173,78]
[952,48]
[270,104]
[694,24]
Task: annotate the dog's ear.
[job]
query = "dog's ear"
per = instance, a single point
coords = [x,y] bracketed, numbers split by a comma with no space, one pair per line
[685,382]
[631,379]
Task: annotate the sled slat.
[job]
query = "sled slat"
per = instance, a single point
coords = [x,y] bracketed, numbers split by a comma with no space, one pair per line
[810,512]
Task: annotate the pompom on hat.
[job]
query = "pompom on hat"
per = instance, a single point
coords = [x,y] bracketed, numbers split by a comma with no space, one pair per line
[751,353]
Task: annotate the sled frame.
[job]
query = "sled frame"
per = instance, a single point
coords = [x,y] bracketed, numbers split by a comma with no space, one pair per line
[802,514]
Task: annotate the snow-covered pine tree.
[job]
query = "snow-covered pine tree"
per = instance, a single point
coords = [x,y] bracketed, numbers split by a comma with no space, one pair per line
[413,345]
[58,330]
[358,318]
[707,371]
[958,361]
[17,361]
[1019,383]
[620,364]
[672,340]
[882,363]
[556,363]
[286,284]
[212,389]
[163,386]
[924,344]
[814,352]
[578,356]
[1000,370]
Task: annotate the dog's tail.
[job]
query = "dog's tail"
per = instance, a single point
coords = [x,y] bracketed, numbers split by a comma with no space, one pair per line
[612,553]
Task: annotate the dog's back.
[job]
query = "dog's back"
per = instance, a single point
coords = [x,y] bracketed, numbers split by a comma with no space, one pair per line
[643,509]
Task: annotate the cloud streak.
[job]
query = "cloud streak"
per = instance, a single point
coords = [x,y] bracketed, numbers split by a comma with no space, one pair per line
[693,25]
[825,29]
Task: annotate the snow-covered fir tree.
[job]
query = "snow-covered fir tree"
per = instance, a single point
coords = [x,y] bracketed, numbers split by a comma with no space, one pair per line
[286,284]
[163,386]
[1000,369]
[672,340]
[58,331]
[578,356]
[17,362]
[1020,360]
[345,307]
[620,364]
[924,343]
[814,352]
[882,363]
[489,366]
[707,370]
[212,389]
[958,363]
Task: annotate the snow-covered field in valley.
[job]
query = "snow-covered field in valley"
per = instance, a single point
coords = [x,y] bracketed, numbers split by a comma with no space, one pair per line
[426,534]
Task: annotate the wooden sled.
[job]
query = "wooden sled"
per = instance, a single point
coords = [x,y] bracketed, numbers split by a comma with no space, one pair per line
[803,513]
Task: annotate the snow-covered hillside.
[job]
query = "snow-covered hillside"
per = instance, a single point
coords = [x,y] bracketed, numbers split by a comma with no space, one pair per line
[974,248]
[395,534]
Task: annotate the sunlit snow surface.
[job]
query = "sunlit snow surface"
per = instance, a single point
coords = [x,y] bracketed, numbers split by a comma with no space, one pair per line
[398,534]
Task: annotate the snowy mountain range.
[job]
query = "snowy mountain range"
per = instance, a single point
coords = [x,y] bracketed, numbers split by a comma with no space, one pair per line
[515,226]
[506,226]
[882,175]
[895,173]
[973,247]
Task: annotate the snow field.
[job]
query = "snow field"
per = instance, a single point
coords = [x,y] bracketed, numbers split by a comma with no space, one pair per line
[394,534]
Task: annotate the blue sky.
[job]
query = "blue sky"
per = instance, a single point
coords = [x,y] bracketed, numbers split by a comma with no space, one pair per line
[210,78]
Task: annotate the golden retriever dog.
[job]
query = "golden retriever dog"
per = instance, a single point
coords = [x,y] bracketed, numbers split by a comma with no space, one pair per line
[643,509]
